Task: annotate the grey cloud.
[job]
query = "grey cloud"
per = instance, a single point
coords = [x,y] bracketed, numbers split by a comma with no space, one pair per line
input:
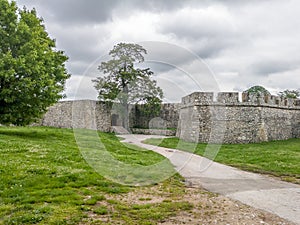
[183,27]
[164,57]
[157,67]
[240,2]
[206,32]
[73,11]
[80,58]
[80,88]
[256,39]
[154,5]
[211,47]
[206,41]
[267,67]
[171,54]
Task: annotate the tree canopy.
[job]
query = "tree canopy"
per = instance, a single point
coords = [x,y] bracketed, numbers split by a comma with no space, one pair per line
[126,84]
[289,94]
[32,71]
[258,90]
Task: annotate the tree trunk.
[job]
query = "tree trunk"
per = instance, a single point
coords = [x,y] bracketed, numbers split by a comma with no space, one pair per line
[126,116]
[125,106]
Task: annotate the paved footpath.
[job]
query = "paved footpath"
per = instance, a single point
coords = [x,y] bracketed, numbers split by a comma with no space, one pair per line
[262,192]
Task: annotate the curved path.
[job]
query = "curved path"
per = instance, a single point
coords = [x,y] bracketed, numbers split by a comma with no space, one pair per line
[262,192]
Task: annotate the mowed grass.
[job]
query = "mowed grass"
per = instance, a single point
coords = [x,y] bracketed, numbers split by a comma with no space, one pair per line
[278,158]
[45,180]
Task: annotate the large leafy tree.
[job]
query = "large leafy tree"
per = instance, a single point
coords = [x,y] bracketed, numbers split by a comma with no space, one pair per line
[258,91]
[124,83]
[32,71]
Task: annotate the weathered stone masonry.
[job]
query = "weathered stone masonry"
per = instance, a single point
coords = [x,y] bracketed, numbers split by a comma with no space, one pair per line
[79,114]
[199,118]
[96,115]
[226,120]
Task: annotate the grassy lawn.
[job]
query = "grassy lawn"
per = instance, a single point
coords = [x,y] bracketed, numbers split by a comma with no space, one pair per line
[278,158]
[45,180]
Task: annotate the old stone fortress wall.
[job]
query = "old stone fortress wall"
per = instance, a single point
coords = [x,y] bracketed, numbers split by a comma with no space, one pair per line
[200,117]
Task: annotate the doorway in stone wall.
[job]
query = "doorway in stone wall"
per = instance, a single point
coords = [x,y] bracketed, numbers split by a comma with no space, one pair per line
[115,120]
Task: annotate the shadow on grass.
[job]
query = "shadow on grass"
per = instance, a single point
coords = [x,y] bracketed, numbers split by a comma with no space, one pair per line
[37,133]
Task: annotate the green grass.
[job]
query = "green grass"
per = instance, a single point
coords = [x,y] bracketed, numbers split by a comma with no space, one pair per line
[44,179]
[278,158]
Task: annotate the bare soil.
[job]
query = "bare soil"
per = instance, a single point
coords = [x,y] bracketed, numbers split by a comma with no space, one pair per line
[208,208]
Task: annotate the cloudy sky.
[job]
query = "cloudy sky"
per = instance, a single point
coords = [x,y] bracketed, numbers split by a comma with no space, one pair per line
[217,45]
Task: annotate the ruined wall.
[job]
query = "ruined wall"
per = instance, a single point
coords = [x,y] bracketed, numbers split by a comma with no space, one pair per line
[98,116]
[78,114]
[226,120]
[58,115]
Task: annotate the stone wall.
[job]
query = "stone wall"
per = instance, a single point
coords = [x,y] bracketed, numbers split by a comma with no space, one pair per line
[201,117]
[226,120]
[79,114]
[58,115]
[167,117]
[296,125]
[98,116]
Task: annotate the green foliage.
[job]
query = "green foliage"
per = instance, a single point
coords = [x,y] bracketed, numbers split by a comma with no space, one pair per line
[102,210]
[124,84]
[257,90]
[32,72]
[289,94]
[150,108]
[45,180]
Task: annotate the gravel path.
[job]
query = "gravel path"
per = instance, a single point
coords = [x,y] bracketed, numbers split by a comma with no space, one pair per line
[262,192]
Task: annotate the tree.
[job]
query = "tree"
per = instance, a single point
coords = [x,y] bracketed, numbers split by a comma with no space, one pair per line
[124,84]
[289,94]
[258,91]
[32,71]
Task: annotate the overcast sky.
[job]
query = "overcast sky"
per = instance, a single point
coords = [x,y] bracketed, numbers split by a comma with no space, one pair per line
[239,43]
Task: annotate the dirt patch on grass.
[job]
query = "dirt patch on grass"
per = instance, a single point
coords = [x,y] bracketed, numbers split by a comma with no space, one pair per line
[171,204]
[216,209]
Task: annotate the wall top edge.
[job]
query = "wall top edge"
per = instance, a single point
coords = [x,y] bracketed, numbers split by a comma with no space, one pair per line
[233,98]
